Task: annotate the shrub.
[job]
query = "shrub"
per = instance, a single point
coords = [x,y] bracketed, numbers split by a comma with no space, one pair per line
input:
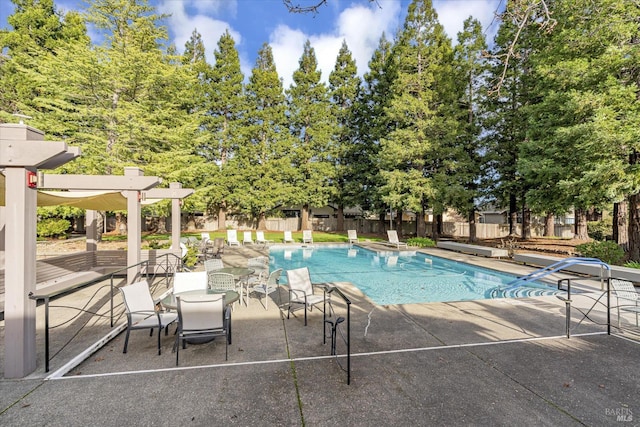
[600,230]
[52,227]
[609,252]
[632,264]
[421,242]
[192,256]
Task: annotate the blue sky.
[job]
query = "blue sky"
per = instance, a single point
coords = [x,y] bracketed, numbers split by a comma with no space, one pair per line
[254,22]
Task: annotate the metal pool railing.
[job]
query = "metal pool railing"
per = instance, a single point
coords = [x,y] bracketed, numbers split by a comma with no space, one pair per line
[336,326]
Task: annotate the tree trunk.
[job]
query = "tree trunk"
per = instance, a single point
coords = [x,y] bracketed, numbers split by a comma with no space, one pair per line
[421,226]
[121,224]
[304,218]
[634,227]
[473,235]
[340,218]
[526,222]
[581,232]
[399,222]
[222,217]
[262,221]
[513,214]
[436,227]
[383,224]
[549,225]
[621,224]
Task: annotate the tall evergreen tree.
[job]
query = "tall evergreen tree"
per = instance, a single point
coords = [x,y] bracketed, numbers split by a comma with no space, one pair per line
[344,85]
[312,124]
[264,158]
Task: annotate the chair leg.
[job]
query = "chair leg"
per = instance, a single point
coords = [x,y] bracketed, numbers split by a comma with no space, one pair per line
[159,348]
[126,341]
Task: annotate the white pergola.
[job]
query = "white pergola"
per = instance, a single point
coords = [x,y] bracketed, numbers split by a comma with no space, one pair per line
[23,152]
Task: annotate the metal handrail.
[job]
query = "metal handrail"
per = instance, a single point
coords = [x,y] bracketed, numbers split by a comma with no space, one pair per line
[334,327]
[557,266]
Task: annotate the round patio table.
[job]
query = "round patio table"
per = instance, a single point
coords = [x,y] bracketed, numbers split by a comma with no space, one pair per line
[170,300]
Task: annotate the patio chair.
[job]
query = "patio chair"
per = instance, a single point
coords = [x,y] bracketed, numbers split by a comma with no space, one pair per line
[221,281]
[247,239]
[287,237]
[307,236]
[266,285]
[213,264]
[205,237]
[183,282]
[392,235]
[301,291]
[141,312]
[232,238]
[202,317]
[352,235]
[260,240]
[627,297]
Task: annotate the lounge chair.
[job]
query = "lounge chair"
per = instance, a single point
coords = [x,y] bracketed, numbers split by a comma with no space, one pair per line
[232,238]
[352,235]
[301,291]
[247,239]
[141,312]
[287,237]
[267,284]
[307,236]
[260,240]
[205,237]
[627,297]
[392,235]
[202,316]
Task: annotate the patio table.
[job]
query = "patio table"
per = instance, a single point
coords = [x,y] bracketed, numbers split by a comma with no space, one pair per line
[170,301]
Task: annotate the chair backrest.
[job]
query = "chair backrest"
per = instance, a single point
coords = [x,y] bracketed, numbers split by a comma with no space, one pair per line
[624,289]
[258,264]
[274,277]
[352,235]
[201,312]
[392,235]
[183,282]
[232,235]
[260,236]
[221,281]
[287,235]
[299,280]
[213,264]
[247,237]
[306,235]
[205,237]
[137,297]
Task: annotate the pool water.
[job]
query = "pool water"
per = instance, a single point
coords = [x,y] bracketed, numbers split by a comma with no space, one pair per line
[405,277]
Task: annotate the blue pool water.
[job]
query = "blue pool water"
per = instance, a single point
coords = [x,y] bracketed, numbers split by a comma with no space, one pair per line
[402,277]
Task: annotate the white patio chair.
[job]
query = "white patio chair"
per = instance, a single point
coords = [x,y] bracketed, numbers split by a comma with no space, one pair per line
[288,237]
[307,236]
[213,264]
[247,239]
[301,291]
[392,235]
[192,281]
[260,240]
[627,297]
[267,285]
[232,238]
[352,235]
[141,312]
[202,316]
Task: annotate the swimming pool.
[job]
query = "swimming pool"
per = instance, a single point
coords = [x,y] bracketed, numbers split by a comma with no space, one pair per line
[404,277]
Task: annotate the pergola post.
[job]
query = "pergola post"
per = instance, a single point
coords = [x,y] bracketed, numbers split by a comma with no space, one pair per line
[175,217]
[91,228]
[134,226]
[20,279]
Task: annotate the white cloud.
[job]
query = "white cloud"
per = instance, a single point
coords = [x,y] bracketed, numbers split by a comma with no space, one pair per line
[182,25]
[452,15]
[360,26]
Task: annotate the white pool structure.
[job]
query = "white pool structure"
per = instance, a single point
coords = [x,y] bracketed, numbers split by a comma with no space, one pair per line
[402,277]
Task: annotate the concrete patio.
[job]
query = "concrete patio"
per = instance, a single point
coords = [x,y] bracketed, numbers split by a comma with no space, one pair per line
[490,362]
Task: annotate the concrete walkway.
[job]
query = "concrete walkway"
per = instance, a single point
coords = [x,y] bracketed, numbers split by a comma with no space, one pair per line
[490,362]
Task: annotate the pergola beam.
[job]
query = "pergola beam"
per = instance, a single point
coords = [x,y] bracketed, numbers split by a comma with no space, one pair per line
[98,182]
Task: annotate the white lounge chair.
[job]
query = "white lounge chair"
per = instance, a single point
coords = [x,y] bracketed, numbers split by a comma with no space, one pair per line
[141,311]
[301,291]
[246,238]
[287,237]
[232,238]
[307,236]
[352,235]
[628,299]
[260,240]
[392,235]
